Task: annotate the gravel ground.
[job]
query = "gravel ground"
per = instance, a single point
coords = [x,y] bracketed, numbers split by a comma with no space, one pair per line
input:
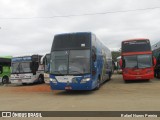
[114,95]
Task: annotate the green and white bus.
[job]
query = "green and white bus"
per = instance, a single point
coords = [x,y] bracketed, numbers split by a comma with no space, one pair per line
[5,71]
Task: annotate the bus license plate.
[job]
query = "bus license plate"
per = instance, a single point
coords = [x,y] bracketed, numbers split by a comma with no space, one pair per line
[68,88]
[138,77]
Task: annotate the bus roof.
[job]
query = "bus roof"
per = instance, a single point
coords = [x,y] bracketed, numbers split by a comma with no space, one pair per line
[135,39]
[5,60]
[74,33]
[156,46]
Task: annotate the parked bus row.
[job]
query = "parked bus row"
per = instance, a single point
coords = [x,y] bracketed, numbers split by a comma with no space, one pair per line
[79,61]
[23,69]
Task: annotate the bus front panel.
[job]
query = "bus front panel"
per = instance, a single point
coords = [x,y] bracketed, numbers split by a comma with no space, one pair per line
[81,82]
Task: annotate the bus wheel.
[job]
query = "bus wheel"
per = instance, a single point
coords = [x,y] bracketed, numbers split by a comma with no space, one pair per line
[158,75]
[5,80]
[98,84]
[41,79]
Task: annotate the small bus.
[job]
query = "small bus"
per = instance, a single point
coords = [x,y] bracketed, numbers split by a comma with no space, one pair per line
[156,54]
[27,69]
[119,69]
[46,62]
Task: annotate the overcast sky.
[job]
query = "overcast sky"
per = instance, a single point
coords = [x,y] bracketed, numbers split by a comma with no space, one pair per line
[28,26]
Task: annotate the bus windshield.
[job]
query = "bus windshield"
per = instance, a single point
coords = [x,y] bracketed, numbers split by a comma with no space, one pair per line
[23,67]
[70,62]
[140,45]
[137,61]
[15,67]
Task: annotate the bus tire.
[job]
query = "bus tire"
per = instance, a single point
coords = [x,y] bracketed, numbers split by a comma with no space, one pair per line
[41,79]
[158,74]
[98,84]
[5,80]
[127,81]
[110,74]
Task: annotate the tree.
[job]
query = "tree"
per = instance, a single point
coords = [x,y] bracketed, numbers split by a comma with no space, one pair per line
[115,54]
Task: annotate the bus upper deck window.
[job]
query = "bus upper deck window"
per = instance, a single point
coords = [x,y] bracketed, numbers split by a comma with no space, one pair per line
[94,56]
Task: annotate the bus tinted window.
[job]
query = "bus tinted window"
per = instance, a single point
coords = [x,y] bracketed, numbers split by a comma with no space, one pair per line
[5,61]
[137,61]
[136,46]
[71,41]
[79,62]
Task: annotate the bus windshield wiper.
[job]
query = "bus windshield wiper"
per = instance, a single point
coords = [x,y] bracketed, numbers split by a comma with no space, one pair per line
[77,72]
[58,72]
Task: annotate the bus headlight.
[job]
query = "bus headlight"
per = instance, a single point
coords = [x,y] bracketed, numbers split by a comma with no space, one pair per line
[85,80]
[53,80]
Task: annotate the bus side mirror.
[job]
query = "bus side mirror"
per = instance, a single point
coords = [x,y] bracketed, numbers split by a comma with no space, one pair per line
[154,61]
[120,63]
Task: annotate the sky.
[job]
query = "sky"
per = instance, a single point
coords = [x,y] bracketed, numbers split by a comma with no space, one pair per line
[28,26]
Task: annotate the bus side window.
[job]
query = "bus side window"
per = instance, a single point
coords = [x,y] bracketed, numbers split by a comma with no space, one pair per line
[123,63]
[94,56]
[1,69]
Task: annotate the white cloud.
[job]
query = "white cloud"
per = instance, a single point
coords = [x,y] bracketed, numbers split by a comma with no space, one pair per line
[35,35]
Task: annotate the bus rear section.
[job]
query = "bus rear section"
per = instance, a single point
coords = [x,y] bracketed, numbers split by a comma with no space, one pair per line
[137,60]
[5,71]
[156,54]
[78,62]
[27,69]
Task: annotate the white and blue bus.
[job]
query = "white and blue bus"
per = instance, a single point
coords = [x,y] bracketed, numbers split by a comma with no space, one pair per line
[27,69]
[46,62]
[79,61]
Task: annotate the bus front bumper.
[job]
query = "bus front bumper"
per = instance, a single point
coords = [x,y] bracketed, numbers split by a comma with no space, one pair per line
[138,77]
[47,80]
[21,81]
[71,86]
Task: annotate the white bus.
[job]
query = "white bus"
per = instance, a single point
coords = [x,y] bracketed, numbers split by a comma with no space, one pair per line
[46,62]
[119,69]
[27,69]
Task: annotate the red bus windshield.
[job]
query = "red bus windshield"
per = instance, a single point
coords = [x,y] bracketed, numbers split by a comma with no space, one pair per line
[137,61]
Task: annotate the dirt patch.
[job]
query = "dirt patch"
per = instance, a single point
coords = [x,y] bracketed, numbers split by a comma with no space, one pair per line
[26,88]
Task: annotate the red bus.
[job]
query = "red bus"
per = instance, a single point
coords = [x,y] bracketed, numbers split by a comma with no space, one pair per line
[137,61]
